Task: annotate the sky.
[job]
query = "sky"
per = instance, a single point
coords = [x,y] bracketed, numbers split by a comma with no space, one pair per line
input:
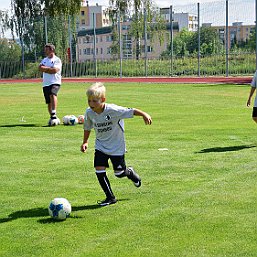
[211,11]
[5,4]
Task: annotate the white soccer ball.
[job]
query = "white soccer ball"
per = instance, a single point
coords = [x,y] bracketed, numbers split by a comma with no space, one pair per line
[59,208]
[66,120]
[70,120]
[73,120]
[54,122]
[81,119]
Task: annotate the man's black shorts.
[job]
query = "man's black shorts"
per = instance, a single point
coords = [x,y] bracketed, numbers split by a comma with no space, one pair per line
[50,90]
[101,159]
[254,114]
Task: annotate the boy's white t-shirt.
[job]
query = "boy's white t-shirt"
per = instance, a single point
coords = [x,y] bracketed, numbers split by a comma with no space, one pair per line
[49,79]
[109,128]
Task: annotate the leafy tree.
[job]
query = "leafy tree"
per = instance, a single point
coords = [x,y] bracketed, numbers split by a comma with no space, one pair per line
[186,42]
[28,20]
[154,22]
[9,50]
[209,41]
[251,43]
[4,22]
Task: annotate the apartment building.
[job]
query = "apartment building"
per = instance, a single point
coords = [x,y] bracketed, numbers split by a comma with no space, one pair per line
[104,41]
[184,20]
[236,33]
[99,13]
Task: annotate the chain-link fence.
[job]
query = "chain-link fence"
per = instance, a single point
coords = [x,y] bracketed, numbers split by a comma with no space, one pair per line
[209,39]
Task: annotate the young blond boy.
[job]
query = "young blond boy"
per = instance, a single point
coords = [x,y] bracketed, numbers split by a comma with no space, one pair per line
[107,121]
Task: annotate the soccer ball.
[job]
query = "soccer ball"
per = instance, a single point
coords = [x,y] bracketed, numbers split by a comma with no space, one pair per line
[66,119]
[59,208]
[81,119]
[70,120]
[73,120]
[54,122]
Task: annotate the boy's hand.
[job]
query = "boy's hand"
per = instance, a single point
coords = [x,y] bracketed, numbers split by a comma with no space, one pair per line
[84,147]
[147,118]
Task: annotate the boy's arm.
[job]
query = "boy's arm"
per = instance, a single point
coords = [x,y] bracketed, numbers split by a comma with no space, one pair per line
[84,145]
[147,118]
[250,96]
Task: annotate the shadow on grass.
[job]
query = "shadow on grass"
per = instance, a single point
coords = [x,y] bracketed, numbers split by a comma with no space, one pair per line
[18,125]
[225,149]
[43,212]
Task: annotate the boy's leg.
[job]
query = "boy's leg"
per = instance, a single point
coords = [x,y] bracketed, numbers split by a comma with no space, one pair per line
[100,164]
[120,170]
[254,114]
[131,174]
[105,185]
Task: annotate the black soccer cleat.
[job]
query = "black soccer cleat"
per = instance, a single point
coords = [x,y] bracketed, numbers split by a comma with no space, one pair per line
[133,176]
[107,201]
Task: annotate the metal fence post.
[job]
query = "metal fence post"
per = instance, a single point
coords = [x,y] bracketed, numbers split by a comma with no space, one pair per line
[70,45]
[120,42]
[46,35]
[227,32]
[94,51]
[145,36]
[256,33]
[171,41]
[199,39]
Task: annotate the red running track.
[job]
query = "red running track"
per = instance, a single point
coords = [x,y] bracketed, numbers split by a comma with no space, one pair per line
[184,80]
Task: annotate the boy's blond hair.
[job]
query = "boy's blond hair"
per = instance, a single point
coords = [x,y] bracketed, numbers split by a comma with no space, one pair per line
[96,90]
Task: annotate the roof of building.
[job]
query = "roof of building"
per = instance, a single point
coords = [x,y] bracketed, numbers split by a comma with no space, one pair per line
[98,31]
[107,30]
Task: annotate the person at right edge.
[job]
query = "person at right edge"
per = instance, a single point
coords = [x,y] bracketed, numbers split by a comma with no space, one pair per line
[252,90]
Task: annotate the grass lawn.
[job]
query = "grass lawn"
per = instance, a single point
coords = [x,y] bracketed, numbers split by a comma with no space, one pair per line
[198,198]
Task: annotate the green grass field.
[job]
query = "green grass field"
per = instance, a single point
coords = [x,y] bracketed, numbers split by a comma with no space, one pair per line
[197,199]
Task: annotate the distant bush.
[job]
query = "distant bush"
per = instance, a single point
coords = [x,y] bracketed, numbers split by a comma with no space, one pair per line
[211,65]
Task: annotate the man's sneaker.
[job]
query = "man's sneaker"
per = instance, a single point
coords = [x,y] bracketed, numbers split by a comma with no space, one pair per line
[107,201]
[54,122]
[134,176]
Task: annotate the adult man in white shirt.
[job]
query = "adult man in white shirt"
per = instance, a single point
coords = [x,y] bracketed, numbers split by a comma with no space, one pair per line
[51,66]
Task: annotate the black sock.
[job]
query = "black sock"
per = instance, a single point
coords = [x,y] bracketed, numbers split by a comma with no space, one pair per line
[105,184]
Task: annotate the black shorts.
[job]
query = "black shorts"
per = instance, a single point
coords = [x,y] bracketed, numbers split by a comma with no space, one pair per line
[50,90]
[254,114]
[101,159]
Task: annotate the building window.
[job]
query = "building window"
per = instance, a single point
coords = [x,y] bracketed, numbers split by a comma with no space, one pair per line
[87,51]
[109,50]
[101,50]
[82,13]
[108,38]
[125,27]
[83,22]
[87,39]
[149,49]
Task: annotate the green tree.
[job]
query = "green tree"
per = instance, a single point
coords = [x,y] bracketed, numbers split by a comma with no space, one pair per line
[136,32]
[9,50]
[209,41]
[251,43]
[28,17]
